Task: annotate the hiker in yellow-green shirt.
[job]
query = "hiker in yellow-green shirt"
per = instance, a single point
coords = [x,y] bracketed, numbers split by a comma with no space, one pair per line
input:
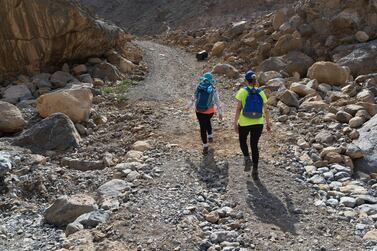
[251,115]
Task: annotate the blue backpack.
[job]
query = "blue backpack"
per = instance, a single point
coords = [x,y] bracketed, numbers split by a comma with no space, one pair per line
[204,96]
[254,104]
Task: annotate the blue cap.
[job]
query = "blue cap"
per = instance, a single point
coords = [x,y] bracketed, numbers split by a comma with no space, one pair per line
[249,75]
[208,76]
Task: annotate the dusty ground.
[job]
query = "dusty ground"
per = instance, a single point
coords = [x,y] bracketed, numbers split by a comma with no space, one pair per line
[279,210]
[166,212]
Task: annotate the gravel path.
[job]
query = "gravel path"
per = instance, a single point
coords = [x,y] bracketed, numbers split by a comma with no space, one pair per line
[278,212]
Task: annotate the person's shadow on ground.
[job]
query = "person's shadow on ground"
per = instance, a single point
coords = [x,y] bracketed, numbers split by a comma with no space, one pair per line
[269,208]
[214,174]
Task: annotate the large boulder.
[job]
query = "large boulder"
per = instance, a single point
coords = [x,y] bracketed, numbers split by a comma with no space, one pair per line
[217,49]
[37,33]
[66,209]
[226,69]
[107,72]
[287,43]
[294,61]
[301,89]
[57,132]
[15,93]
[289,98]
[60,79]
[329,72]
[367,142]
[75,103]
[11,119]
[124,65]
[360,58]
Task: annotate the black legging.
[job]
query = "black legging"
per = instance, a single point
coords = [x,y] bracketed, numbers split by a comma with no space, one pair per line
[205,125]
[255,132]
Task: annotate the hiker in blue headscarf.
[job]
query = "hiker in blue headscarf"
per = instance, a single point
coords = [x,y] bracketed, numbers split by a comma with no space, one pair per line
[206,100]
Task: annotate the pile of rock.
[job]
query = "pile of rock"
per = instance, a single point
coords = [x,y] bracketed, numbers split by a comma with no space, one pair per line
[292,39]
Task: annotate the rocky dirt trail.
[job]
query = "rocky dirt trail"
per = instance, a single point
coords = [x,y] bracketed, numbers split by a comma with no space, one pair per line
[209,202]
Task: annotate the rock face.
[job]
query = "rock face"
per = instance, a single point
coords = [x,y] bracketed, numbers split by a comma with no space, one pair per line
[56,132]
[65,210]
[367,142]
[11,119]
[37,33]
[329,73]
[75,103]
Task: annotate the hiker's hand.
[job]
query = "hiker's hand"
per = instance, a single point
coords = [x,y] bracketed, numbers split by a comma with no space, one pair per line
[221,117]
[236,129]
[268,127]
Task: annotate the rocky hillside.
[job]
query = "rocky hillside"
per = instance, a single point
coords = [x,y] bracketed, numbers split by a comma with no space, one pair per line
[61,32]
[157,16]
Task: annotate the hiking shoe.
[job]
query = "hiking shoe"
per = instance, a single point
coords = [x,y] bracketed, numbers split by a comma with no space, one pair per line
[254,174]
[210,140]
[205,150]
[247,165]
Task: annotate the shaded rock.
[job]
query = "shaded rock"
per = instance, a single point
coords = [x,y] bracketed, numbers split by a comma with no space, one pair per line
[92,219]
[353,109]
[80,69]
[217,49]
[134,156]
[75,103]
[275,84]
[5,164]
[82,165]
[15,93]
[354,152]
[11,119]
[333,158]
[301,89]
[107,72]
[133,175]
[66,209]
[141,146]
[367,142]
[371,235]
[328,72]
[356,122]
[325,137]
[226,69]
[362,36]
[365,96]
[294,61]
[61,133]
[289,98]
[348,201]
[213,217]
[278,19]
[60,79]
[353,189]
[314,106]
[73,228]
[343,117]
[124,65]
[287,43]
[264,77]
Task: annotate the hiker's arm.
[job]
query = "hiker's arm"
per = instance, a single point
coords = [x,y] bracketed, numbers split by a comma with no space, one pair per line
[191,103]
[218,105]
[267,117]
[237,116]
